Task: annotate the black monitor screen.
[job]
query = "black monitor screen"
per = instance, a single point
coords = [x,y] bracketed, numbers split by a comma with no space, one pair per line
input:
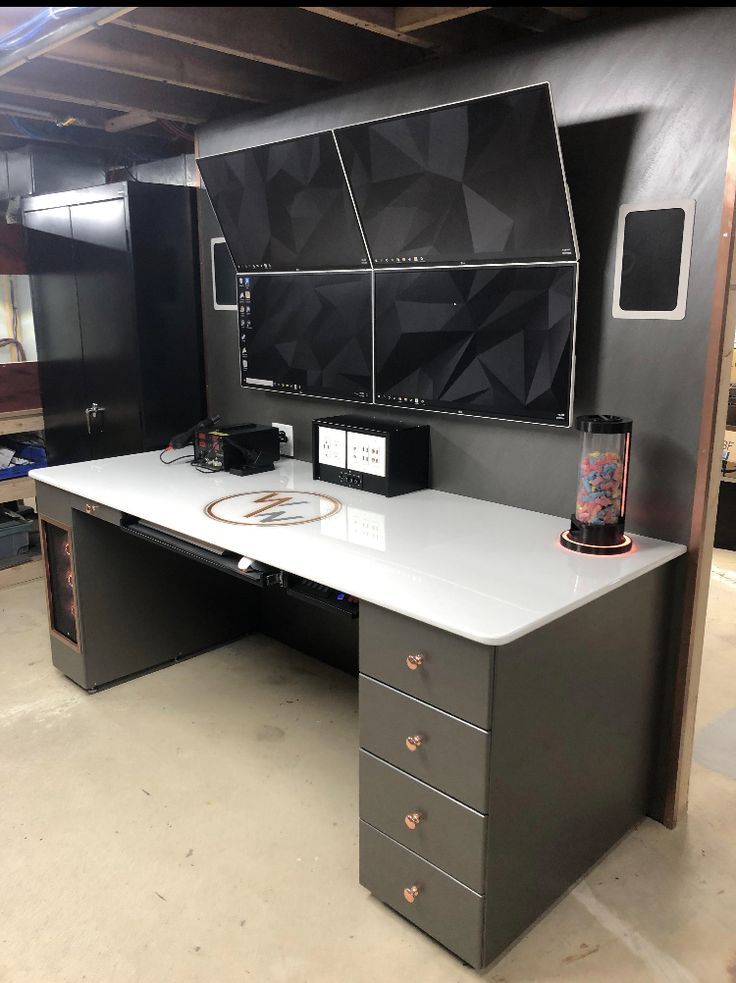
[486,342]
[308,333]
[480,181]
[285,206]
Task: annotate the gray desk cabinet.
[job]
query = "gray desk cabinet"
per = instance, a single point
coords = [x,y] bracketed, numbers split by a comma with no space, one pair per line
[491,778]
[565,763]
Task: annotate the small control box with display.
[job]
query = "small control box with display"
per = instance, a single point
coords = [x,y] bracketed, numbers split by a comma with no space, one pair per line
[385,458]
[250,448]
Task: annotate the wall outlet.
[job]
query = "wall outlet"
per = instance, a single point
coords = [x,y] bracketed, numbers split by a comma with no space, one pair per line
[331,449]
[367,453]
[287,449]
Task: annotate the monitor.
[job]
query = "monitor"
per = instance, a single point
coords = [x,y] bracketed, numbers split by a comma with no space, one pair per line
[479,181]
[285,206]
[484,341]
[308,334]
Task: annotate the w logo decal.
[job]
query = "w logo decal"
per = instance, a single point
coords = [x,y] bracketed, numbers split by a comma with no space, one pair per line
[273,508]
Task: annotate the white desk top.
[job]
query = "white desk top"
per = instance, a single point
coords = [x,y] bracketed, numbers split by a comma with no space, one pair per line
[488,572]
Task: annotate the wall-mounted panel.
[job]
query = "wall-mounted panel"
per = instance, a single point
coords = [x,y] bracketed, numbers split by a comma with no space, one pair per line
[483,341]
[479,181]
[653,260]
[285,206]
[307,333]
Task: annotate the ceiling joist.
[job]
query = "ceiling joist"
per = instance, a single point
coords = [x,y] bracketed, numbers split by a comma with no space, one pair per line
[410,19]
[160,59]
[90,87]
[378,20]
[286,37]
[100,73]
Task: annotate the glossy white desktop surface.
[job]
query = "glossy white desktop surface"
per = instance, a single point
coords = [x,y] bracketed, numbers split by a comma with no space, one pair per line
[488,572]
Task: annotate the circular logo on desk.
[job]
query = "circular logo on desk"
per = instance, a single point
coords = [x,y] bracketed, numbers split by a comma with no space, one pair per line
[273,508]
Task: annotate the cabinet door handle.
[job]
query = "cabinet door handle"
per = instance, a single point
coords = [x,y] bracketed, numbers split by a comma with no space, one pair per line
[414,742]
[95,418]
[412,820]
[411,893]
[415,661]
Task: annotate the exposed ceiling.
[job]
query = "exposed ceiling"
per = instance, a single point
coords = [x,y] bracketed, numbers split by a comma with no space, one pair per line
[135,81]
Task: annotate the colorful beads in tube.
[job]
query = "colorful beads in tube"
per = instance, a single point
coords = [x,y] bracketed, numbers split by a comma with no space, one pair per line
[600,480]
[597,525]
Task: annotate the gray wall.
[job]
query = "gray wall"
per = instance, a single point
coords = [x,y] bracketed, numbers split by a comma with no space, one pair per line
[644,110]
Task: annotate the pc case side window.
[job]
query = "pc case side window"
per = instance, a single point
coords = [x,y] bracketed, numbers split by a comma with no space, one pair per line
[57,547]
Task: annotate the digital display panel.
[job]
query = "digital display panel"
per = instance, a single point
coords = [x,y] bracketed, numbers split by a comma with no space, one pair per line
[484,341]
[480,181]
[307,333]
[285,206]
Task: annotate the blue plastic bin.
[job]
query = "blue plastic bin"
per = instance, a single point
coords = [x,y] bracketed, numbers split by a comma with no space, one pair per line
[36,455]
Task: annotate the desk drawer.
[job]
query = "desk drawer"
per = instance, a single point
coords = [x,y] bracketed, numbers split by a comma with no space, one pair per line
[443,908]
[455,674]
[448,834]
[452,755]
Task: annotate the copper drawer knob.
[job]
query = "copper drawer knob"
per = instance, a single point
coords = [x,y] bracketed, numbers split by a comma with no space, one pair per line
[415,661]
[414,742]
[411,893]
[413,820]
[89,508]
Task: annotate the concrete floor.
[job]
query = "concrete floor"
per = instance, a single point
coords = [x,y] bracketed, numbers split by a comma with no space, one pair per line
[199,824]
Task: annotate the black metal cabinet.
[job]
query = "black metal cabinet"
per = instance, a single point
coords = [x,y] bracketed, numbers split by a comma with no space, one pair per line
[115,285]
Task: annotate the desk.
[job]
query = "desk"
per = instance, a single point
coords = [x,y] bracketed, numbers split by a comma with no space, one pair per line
[509,690]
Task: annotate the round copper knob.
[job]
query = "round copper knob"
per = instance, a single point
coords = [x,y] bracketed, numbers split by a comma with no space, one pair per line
[414,742]
[415,661]
[413,819]
[89,508]
[411,893]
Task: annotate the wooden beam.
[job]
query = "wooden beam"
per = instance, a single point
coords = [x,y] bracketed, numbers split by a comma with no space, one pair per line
[129,121]
[572,13]
[378,20]
[415,18]
[90,87]
[286,37]
[160,59]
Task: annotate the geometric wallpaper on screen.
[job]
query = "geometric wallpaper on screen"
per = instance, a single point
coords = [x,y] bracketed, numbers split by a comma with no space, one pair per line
[312,331]
[476,182]
[285,206]
[489,342]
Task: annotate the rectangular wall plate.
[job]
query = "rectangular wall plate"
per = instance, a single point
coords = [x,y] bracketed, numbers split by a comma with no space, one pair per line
[652,268]
[223,271]
[367,453]
[332,447]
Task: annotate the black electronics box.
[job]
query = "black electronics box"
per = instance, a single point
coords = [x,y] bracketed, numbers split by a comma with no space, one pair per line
[246,449]
[386,458]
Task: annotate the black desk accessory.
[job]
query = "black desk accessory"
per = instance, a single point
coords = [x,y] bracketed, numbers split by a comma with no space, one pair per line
[386,458]
[250,448]
[186,437]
